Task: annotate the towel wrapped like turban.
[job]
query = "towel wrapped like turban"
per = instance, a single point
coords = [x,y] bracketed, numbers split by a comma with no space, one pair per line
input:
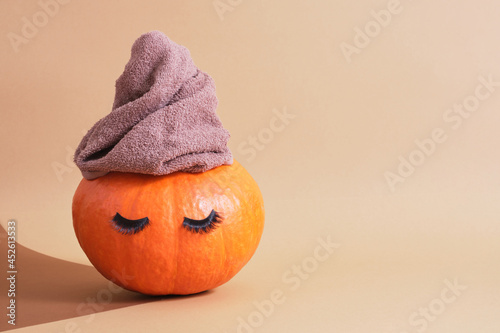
[163,118]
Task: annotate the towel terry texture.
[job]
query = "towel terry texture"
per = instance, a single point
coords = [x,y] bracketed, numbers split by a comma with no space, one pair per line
[163,118]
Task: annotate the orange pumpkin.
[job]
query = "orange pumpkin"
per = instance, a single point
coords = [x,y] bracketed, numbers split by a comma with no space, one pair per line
[181,233]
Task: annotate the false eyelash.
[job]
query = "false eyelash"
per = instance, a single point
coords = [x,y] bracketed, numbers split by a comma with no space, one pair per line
[203,226]
[127,227]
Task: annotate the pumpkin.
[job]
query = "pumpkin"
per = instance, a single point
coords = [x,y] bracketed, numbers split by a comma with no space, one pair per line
[180,233]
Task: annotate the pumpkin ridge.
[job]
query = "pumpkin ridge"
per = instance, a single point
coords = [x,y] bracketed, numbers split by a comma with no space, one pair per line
[176,270]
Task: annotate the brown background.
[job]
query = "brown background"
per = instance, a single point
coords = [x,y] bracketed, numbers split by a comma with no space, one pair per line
[322,176]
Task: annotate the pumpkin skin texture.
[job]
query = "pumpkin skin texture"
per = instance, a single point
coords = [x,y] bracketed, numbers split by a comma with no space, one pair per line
[165,257]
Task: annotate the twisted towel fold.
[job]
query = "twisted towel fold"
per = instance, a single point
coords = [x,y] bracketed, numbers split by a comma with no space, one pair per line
[163,118]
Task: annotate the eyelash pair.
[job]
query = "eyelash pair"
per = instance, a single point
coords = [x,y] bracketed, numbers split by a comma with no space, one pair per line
[127,227]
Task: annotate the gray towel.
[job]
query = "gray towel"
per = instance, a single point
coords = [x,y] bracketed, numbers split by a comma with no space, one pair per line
[163,118]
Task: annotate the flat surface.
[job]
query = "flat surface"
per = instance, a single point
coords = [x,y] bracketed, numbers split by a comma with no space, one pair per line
[69,286]
[371,126]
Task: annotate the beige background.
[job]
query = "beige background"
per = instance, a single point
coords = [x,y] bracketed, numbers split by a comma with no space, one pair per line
[322,176]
